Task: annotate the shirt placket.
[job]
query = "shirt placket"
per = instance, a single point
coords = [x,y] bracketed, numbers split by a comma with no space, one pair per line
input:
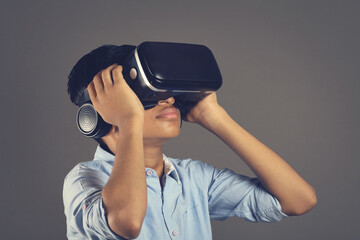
[170,193]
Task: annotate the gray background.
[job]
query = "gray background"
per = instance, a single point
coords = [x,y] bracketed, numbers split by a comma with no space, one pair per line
[291,78]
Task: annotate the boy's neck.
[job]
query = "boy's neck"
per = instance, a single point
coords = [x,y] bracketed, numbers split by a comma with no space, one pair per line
[153,157]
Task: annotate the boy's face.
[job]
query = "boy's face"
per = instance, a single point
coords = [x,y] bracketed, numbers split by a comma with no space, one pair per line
[162,122]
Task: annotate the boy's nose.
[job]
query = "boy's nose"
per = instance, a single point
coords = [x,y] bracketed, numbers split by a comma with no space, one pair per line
[170,100]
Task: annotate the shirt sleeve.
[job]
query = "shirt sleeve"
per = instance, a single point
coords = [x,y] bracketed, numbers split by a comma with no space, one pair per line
[231,194]
[83,203]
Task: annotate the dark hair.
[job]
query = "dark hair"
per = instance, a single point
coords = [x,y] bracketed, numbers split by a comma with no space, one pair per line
[89,65]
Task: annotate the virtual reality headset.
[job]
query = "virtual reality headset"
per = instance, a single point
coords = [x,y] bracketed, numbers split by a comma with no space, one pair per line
[159,70]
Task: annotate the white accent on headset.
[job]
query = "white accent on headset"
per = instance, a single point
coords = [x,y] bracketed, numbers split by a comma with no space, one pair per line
[194,91]
[144,76]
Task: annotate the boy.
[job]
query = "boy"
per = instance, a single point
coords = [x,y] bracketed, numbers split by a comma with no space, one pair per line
[131,190]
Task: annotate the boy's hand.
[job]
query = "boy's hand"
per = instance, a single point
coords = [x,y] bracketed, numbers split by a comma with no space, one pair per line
[112,97]
[205,111]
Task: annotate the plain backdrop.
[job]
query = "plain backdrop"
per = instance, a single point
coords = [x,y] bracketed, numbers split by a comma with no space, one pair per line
[290,77]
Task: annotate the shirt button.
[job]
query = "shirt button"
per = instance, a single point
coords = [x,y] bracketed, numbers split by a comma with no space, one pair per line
[175,233]
[149,172]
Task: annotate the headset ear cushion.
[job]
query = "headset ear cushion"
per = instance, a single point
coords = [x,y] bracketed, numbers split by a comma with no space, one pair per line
[90,123]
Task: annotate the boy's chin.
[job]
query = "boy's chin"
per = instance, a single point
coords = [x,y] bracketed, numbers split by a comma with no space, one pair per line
[161,138]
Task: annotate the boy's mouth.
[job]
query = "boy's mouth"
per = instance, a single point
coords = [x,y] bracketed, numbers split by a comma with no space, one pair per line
[169,113]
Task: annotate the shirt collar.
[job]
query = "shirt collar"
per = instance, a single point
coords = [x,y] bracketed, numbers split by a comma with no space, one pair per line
[101,154]
[169,169]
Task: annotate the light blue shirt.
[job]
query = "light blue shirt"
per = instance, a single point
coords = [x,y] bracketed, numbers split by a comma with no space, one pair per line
[193,193]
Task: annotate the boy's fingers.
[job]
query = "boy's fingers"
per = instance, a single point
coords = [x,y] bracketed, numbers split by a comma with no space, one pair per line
[91,91]
[117,75]
[107,76]
[98,83]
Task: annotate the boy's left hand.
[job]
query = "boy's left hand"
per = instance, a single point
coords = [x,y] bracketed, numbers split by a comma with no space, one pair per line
[205,110]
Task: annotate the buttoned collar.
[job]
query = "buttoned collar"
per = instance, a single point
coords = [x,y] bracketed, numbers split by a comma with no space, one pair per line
[169,169]
[101,154]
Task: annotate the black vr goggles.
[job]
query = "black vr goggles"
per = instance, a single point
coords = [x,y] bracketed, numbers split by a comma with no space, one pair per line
[157,71]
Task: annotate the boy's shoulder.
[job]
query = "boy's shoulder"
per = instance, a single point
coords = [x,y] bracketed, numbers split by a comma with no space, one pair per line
[194,170]
[190,164]
[91,167]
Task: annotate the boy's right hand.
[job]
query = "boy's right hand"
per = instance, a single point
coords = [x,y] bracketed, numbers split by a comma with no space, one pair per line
[112,97]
